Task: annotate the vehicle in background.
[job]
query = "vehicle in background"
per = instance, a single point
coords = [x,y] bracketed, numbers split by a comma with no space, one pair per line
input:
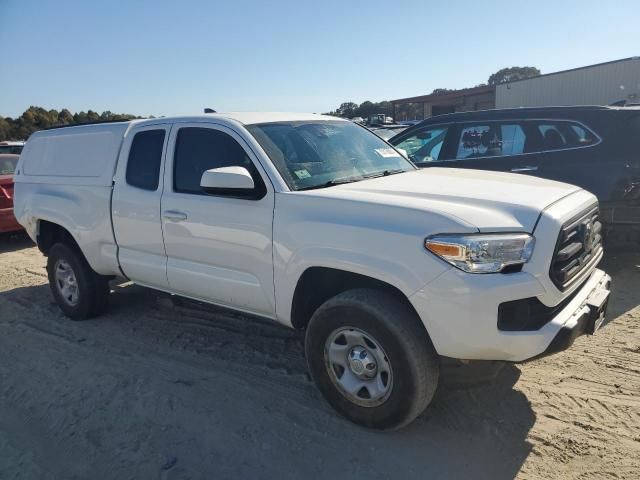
[379,119]
[8,222]
[388,131]
[11,147]
[596,148]
[317,223]
[359,120]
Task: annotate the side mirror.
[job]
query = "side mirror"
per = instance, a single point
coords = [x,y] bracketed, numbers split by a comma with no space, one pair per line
[227,180]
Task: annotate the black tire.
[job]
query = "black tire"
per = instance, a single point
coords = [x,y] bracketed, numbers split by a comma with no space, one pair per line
[403,340]
[92,288]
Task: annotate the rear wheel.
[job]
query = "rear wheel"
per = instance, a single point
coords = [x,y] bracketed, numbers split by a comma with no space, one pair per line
[371,358]
[79,291]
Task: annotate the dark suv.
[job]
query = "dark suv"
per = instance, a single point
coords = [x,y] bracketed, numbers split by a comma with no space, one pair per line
[596,148]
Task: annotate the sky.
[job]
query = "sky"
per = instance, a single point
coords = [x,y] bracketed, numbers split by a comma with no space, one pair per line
[156,57]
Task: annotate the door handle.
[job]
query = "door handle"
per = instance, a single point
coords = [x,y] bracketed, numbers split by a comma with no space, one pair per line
[529,168]
[174,216]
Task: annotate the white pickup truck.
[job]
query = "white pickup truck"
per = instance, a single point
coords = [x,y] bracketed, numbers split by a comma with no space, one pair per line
[320,225]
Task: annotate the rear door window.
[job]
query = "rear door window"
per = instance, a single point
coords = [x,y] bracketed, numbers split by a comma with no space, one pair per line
[492,139]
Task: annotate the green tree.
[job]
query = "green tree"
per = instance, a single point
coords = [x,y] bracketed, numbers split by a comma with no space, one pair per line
[5,128]
[346,109]
[65,117]
[511,74]
[92,116]
[36,118]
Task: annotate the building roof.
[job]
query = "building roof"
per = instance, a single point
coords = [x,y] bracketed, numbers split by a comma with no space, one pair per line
[447,95]
[437,97]
[629,59]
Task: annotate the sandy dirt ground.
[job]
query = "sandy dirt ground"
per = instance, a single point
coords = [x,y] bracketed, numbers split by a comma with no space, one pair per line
[171,389]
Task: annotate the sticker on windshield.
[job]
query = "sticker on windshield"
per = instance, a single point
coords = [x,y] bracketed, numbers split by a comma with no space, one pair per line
[302,174]
[387,152]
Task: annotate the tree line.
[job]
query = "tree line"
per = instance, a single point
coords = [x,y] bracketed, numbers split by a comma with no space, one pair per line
[504,75]
[38,118]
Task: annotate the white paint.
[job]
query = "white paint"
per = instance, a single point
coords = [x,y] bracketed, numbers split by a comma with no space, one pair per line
[249,254]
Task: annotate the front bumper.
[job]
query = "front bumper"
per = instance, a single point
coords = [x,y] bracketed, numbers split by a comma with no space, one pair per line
[8,222]
[460,313]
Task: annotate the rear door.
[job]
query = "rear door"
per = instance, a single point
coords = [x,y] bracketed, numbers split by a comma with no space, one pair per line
[577,153]
[136,205]
[505,145]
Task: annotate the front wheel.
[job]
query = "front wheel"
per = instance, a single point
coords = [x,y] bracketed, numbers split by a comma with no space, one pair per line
[371,358]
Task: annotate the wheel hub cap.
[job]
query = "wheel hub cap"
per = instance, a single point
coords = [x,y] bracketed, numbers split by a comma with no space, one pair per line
[358,367]
[66,282]
[362,363]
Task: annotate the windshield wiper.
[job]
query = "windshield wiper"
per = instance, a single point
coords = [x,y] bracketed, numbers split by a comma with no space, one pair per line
[385,173]
[333,183]
[342,181]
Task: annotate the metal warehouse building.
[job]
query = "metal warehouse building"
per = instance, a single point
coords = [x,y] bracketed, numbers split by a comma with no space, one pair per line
[602,84]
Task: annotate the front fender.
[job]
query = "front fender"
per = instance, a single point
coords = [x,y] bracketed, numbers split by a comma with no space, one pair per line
[396,273]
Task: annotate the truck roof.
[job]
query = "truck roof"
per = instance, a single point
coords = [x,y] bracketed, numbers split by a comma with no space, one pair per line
[250,118]
[86,154]
[245,118]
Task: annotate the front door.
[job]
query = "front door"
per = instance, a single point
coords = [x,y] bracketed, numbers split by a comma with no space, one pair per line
[219,247]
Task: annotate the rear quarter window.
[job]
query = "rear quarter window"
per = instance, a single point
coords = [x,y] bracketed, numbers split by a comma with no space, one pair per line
[145,156]
[561,135]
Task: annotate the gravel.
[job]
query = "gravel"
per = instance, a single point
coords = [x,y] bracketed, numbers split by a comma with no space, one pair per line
[167,388]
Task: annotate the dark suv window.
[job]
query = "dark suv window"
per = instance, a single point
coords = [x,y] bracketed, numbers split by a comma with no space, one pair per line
[492,139]
[145,156]
[562,135]
[201,149]
[425,145]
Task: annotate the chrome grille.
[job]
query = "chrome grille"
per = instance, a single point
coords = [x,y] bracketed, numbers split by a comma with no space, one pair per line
[579,244]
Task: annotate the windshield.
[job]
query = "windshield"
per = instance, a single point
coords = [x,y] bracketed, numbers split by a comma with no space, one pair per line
[13,149]
[316,154]
[8,165]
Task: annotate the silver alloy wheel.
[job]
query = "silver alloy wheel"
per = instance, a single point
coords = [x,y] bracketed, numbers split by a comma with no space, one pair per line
[358,366]
[66,282]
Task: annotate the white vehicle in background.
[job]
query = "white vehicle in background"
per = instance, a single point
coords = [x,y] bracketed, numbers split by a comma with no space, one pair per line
[11,147]
[320,225]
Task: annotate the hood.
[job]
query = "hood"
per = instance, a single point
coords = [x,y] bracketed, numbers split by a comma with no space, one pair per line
[486,200]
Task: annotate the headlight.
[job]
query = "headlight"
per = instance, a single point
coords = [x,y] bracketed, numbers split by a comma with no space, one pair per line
[482,253]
